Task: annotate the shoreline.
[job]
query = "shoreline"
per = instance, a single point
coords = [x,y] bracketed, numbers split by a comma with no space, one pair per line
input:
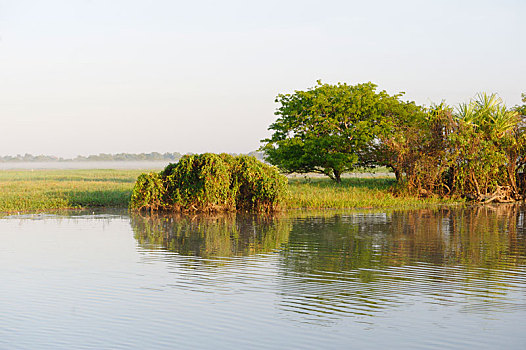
[76,189]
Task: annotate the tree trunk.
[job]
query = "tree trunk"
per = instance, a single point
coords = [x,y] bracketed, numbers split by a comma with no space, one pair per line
[329,174]
[475,182]
[337,176]
[397,174]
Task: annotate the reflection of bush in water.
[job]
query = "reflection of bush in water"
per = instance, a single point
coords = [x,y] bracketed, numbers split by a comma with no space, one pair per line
[211,236]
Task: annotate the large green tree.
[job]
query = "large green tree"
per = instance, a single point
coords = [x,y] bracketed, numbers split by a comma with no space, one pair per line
[327,129]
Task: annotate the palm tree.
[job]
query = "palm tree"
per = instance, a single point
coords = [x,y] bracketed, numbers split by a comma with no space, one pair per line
[489,114]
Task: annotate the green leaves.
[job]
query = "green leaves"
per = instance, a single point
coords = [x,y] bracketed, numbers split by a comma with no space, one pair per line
[488,113]
[326,129]
[474,150]
[148,192]
[210,182]
[521,110]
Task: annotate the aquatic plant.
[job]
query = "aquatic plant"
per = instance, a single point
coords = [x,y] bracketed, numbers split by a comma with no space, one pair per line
[210,183]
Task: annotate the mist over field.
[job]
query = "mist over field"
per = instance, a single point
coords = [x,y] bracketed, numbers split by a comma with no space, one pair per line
[88,77]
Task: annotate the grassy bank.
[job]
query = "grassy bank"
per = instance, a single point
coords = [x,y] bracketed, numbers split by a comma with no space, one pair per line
[366,192]
[26,190]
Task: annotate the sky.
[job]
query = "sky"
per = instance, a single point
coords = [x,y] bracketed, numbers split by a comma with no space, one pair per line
[80,77]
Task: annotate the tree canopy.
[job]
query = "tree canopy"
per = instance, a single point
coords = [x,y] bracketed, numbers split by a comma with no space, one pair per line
[327,128]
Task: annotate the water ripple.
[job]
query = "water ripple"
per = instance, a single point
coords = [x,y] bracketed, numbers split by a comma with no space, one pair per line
[413,280]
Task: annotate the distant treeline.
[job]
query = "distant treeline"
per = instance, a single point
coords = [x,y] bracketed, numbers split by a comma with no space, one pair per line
[153,156]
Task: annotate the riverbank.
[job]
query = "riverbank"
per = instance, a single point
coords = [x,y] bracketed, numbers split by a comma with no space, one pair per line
[352,192]
[40,190]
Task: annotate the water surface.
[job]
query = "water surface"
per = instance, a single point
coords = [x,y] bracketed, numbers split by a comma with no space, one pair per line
[426,279]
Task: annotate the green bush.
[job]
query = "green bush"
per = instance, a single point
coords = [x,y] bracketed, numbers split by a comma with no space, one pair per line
[148,192]
[199,183]
[476,151]
[258,187]
[209,183]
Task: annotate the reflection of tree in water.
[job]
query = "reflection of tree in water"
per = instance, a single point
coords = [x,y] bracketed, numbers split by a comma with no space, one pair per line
[333,243]
[331,264]
[362,264]
[480,237]
[211,236]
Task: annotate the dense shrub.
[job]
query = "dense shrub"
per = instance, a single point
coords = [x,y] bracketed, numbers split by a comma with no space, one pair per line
[199,183]
[476,151]
[416,148]
[258,187]
[209,183]
[148,192]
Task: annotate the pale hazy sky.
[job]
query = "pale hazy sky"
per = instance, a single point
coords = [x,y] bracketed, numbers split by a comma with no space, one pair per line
[85,77]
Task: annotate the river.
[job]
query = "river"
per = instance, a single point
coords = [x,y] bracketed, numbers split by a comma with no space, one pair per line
[449,278]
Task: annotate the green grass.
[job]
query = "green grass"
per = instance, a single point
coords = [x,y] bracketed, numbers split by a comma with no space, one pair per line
[40,190]
[26,190]
[319,193]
